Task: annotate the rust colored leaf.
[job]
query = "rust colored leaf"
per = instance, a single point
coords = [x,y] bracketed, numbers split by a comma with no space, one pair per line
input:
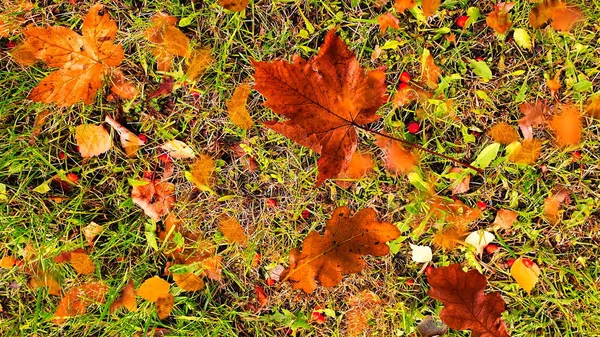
[567,126]
[232,230]
[83,59]
[154,288]
[121,87]
[165,87]
[402,5]
[261,296]
[164,306]
[197,63]
[188,281]
[126,299]
[466,307]
[364,305]
[554,84]
[359,166]
[430,7]
[527,152]
[167,40]
[76,300]
[564,16]
[323,98]
[430,72]
[398,160]
[326,258]
[386,21]
[534,115]
[499,19]
[234,5]
[156,198]
[93,140]
[129,140]
[503,133]
[552,204]
[236,107]
[505,219]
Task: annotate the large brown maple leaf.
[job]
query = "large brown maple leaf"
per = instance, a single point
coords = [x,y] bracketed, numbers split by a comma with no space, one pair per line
[324,98]
[83,59]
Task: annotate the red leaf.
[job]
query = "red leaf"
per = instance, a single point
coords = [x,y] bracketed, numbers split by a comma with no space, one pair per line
[466,306]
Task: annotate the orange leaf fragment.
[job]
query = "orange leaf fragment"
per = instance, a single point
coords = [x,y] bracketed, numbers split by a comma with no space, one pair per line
[359,166]
[82,263]
[232,230]
[466,306]
[430,72]
[527,152]
[197,63]
[76,300]
[121,87]
[430,7]
[188,281]
[386,21]
[167,40]
[7,262]
[363,306]
[564,17]
[498,19]
[83,59]
[236,107]
[129,140]
[43,279]
[202,172]
[326,258]
[505,219]
[503,133]
[261,296]
[398,160]
[554,84]
[92,140]
[404,95]
[156,198]
[552,204]
[154,288]
[164,306]
[234,5]
[402,5]
[126,299]
[592,107]
[323,99]
[567,126]
[24,54]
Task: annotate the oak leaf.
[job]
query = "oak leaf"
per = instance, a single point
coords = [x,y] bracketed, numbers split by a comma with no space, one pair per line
[236,107]
[324,99]
[402,5]
[76,300]
[465,304]
[526,152]
[327,257]
[83,59]
[503,133]
[232,230]
[92,140]
[386,21]
[364,305]
[156,197]
[398,160]
[430,7]
[234,5]
[167,40]
[126,299]
[498,19]
[567,126]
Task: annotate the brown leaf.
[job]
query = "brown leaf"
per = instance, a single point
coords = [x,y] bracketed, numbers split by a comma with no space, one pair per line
[83,59]
[202,172]
[236,107]
[164,306]
[534,115]
[430,72]
[363,307]
[188,281]
[567,126]
[503,133]
[156,198]
[463,185]
[505,219]
[430,7]
[92,140]
[359,166]
[465,304]
[323,99]
[167,40]
[232,230]
[126,299]
[326,258]
[197,63]
[154,288]
[527,152]
[386,21]
[429,328]
[234,5]
[78,299]
[552,204]
[402,5]
[498,19]
[121,87]
[261,296]
[398,160]
[129,140]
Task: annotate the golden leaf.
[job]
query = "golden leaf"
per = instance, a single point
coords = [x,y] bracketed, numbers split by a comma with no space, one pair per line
[168,41]
[527,152]
[402,5]
[202,171]
[82,263]
[505,219]
[363,306]
[92,140]
[526,277]
[154,288]
[198,63]
[430,72]
[188,281]
[7,262]
[232,230]
[24,54]
[398,160]
[430,7]
[360,165]
[503,133]
[236,107]
[78,299]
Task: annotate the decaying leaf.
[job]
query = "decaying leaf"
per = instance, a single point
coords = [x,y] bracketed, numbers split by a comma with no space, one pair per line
[564,16]
[552,204]
[465,304]
[386,21]
[430,72]
[197,63]
[526,275]
[234,5]
[153,288]
[499,19]
[202,172]
[450,237]
[402,5]
[92,140]
[326,258]
[121,87]
[429,328]
[167,40]
[24,54]
[359,166]
[83,59]
[398,160]
[261,296]
[505,219]
[76,300]
[91,231]
[457,217]
[164,306]
[129,140]
[421,254]
[430,7]
[156,198]
[364,305]
[567,126]
[323,98]
[527,152]
[534,115]
[188,281]
[461,186]
[503,133]
[38,124]
[479,239]
[236,107]
[232,230]
[126,299]
[178,149]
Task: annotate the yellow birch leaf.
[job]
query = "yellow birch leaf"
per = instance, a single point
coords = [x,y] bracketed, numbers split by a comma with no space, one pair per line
[526,277]
[232,230]
[164,306]
[82,263]
[153,288]
[198,63]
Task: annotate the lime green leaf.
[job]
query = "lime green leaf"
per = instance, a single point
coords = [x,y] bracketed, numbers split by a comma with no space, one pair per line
[486,156]
[481,69]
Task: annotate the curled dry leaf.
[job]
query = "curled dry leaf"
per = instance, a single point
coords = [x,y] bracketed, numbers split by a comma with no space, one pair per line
[167,40]
[234,5]
[232,230]
[178,149]
[552,204]
[499,19]
[359,167]
[503,133]
[527,152]
[156,198]
[398,160]
[364,305]
[505,219]
[326,258]
[567,126]
[386,21]
[533,116]
[202,172]
[323,99]
[554,83]
[525,275]
[83,59]
[153,288]
[121,87]
[129,140]
[76,300]
[465,304]
[126,299]
[236,107]
[430,72]
[401,5]
[92,140]
[188,281]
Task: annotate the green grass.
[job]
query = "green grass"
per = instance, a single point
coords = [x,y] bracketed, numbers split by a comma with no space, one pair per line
[564,303]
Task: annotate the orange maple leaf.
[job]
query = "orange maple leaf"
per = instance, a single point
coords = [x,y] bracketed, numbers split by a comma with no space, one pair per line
[563,16]
[324,99]
[402,5]
[83,59]
[386,21]
[326,258]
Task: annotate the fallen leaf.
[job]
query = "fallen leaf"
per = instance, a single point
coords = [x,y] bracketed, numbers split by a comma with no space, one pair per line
[41,278]
[386,21]
[83,59]
[534,115]
[359,167]
[7,262]
[76,300]
[554,84]
[236,107]
[503,133]
[121,87]
[364,305]
[450,237]
[326,258]
[498,19]
[82,263]
[429,328]
[202,172]
[91,231]
[234,5]
[197,63]
[188,281]
[232,230]
[465,304]
[24,54]
[153,288]
[552,204]
[527,152]
[404,95]
[430,7]
[567,126]
[398,160]
[261,296]
[164,306]
[479,239]
[430,72]
[156,198]
[165,88]
[592,107]
[129,140]
[126,299]
[402,5]
[526,277]
[92,140]
[505,219]
[564,17]
[323,99]
[421,254]
[463,185]
[167,40]
[38,124]
[178,149]
[522,38]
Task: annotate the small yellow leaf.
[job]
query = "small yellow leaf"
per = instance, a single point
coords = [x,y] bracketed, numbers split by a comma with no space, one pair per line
[526,277]
[91,231]
[153,288]
[7,262]
[92,140]
[188,281]
[198,62]
[178,149]
[236,107]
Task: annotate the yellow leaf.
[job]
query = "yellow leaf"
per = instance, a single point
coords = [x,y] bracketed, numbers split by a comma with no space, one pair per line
[201,172]
[236,107]
[164,306]
[92,140]
[526,277]
[527,152]
[430,7]
[592,107]
[126,299]
[154,288]
[7,262]
[188,281]
[178,149]
[168,41]
[232,230]
[505,219]
[198,62]
[430,72]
